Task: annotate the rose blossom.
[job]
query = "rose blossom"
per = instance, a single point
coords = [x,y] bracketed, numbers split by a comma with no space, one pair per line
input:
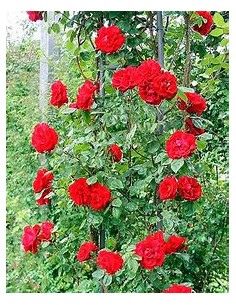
[35,15]
[85,251]
[100,196]
[79,192]
[196,103]
[180,144]
[110,261]
[58,94]
[189,188]
[116,152]
[191,128]
[44,138]
[166,85]
[174,244]
[151,250]
[177,289]
[109,39]
[125,79]
[43,180]
[168,188]
[85,96]
[205,28]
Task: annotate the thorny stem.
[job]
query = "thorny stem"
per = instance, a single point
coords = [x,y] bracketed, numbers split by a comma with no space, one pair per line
[186,81]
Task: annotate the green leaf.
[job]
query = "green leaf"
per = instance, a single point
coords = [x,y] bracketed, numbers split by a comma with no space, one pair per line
[69,45]
[56,27]
[197,122]
[206,136]
[116,212]
[177,164]
[107,280]
[130,135]
[219,20]
[92,180]
[182,95]
[133,265]
[116,203]
[153,146]
[115,184]
[201,145]
[109,89]
[216,32]
[98,274]
[85,56]
[185,89]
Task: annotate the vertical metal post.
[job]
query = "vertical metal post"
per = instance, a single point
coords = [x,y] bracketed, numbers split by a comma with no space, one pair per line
[47,46]
[159,114]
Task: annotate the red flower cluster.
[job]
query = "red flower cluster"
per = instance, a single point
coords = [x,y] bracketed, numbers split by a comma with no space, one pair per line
[110,261]
[180,144]
[85,250]
[58,94]
[34,236]
[116,152]
[125,79]
[34,16]
[153,249]
[187,187]
[85,96]
[191,128]
[178,289]
[195,104]
[96,195]
[42,184]
[207,22]
[154,84]
[109,39]
[44,138]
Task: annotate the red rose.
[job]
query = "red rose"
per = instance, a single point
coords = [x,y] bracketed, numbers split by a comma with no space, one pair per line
[189,188]
[116,152]
[207,23]
[46,228]
[100,196]
[110,261]
[125,79]
[148,70]
[79,192]
[166,85]
[44,199]
[148,93]
[34,16]
[196,103]
[85,96]
[30,242]
[85,251]
[168,188]
[180,144]
[43,180]
[174,244]
[44,138]
[151,250]
[177,289]
[191,128]
[109,39]
[58,94]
